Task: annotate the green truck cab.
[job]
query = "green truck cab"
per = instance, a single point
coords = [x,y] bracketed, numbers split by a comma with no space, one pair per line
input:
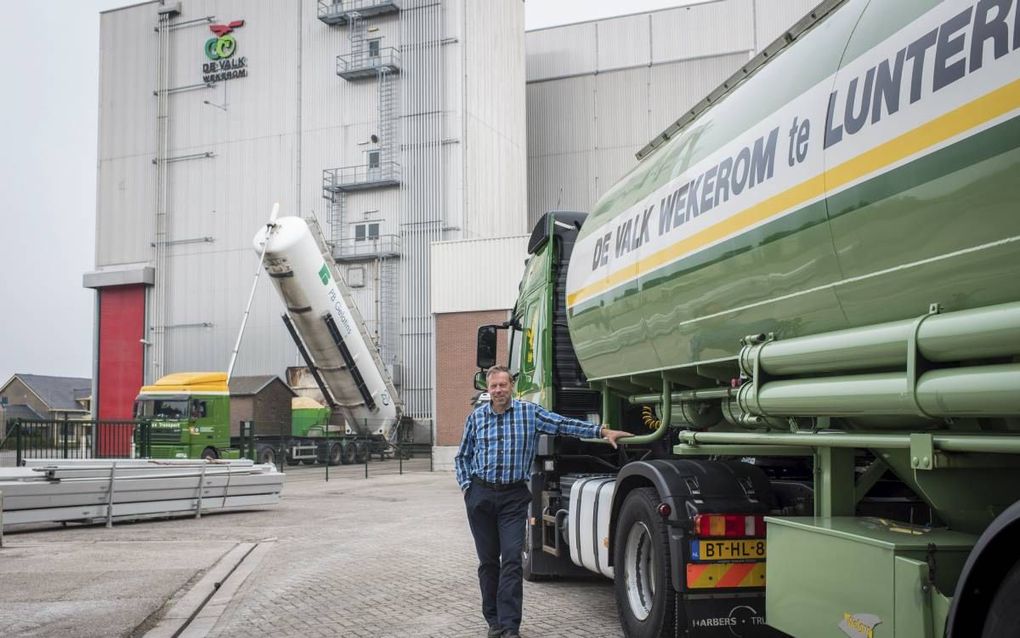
[188,415]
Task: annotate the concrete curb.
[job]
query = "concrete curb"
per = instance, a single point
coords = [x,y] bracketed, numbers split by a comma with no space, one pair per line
[197,612]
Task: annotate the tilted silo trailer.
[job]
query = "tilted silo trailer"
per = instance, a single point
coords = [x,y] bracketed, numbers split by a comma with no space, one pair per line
[806,299]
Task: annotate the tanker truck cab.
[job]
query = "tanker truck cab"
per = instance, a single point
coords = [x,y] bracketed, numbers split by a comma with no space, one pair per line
[189,415]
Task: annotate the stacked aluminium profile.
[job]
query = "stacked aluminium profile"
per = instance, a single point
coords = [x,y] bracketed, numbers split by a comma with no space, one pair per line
[130,489]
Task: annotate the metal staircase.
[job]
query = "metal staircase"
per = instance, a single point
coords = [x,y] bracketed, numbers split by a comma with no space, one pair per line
[366,61]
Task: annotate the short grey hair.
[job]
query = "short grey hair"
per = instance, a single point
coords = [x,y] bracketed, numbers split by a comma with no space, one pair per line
[496,370]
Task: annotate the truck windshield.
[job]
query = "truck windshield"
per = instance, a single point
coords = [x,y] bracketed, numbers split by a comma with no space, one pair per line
[162,408]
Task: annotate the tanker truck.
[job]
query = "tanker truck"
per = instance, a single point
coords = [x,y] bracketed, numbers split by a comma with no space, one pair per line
[804,301]
[190,412]
[331,337]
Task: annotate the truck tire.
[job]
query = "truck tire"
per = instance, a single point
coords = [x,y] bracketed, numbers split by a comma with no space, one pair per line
[1004,613]
[210,454]
[645,598]
[267,455]
[360,452]
[335,456]
[349,454]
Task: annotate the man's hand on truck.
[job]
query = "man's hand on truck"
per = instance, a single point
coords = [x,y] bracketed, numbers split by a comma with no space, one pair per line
[612,435]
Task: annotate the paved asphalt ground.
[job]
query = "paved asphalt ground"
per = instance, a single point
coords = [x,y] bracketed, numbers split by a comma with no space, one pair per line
[387,556]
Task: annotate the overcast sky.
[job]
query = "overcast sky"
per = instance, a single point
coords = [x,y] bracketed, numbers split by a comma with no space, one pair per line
[49,56]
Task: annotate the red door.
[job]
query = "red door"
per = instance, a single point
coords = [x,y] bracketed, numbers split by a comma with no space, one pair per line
[121,357]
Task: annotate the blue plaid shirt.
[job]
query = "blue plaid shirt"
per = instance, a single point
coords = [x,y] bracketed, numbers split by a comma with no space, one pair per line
[498,448]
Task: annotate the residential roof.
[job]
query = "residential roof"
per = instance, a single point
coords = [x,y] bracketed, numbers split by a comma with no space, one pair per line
[21,411]
[58,393]
[243,386]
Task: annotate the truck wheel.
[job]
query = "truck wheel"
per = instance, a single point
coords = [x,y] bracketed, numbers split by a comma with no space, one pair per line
[645,598]
[1004,613]
[267,455]
[291,460]
[210,454]
[360,452]
[335,454]
[349,453]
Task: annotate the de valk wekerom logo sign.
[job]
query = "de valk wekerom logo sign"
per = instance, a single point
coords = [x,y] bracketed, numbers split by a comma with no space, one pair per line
[220,51]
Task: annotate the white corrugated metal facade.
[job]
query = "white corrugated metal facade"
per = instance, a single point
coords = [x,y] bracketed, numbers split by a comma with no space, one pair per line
[189,170]
[599,91]
[486,273]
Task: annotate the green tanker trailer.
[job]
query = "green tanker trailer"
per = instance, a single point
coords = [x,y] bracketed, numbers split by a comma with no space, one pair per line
[806,296]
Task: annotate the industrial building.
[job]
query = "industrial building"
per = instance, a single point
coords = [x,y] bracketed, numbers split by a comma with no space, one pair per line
[425,138]
[394,124]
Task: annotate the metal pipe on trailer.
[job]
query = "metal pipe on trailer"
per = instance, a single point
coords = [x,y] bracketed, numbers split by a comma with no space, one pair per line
[981,333]
[667,414]
[996,444]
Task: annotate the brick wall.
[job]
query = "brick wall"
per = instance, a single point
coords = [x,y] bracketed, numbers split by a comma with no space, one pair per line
[456,335]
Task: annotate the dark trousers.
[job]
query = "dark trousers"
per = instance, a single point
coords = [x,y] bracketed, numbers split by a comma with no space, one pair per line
[497,520]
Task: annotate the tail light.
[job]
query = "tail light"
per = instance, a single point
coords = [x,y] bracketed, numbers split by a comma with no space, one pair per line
[729,525]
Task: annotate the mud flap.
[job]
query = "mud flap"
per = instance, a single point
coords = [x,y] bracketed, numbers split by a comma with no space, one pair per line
[727,615]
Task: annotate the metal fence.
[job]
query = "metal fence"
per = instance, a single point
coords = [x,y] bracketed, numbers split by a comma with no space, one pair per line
[325,451]
[72,439]
[331,451]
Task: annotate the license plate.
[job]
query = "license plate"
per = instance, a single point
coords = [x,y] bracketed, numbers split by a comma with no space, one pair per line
[728,550]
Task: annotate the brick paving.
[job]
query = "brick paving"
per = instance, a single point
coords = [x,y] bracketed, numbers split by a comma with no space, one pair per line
[387,556]
[391,556]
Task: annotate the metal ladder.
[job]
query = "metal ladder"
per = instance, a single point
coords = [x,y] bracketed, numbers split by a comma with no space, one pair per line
[387,129]
[337,217]
[356,36]
[388,312]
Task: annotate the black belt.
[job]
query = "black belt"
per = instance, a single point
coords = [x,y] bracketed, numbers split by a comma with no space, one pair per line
[499,487]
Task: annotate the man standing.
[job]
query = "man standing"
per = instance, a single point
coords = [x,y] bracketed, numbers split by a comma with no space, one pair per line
[492,464]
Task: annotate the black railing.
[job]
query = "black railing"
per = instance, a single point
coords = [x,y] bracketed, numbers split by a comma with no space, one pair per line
[74,439]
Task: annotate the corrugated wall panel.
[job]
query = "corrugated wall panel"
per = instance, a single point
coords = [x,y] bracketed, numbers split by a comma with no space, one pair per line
[624,42]
[124,221]
[562,181]
[621,109]
[127,108]
[127,132]
[713,28]
[773,17]
[568,50]
[259,105]
[453,190]
[494,146]
[610,164]
[678,86]
[561,115]
[487,272]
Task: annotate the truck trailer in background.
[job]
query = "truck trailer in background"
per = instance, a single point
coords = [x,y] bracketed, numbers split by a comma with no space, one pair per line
[806,297]
[190,413]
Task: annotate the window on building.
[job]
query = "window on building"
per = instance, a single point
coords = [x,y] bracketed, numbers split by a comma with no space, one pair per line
[373,159]
[373,47]
[366,231]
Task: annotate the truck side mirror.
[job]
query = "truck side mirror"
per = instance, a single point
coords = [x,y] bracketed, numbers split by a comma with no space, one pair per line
[480,383]
[486,353]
